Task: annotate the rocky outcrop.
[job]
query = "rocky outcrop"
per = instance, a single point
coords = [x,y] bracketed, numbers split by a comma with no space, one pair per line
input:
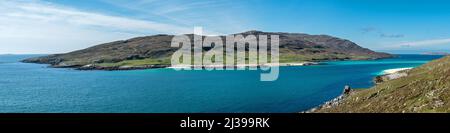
[390,76]
[334,102]
[113,68]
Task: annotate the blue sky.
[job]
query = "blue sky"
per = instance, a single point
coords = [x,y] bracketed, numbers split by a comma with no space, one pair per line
[55,26]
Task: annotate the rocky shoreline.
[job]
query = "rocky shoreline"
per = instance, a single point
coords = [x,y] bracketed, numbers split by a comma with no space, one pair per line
[334,102]
[116,68]
[390,74]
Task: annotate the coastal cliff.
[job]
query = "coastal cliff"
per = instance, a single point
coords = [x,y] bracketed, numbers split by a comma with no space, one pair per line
[155,52]
[422,89]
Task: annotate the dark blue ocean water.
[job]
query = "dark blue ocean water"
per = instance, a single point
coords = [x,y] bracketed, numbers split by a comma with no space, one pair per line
[36,88]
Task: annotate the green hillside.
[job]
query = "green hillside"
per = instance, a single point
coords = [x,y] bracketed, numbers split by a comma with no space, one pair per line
[425,89]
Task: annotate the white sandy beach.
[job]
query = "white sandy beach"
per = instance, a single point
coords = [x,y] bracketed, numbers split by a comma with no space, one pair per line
[248,65]
[391,71]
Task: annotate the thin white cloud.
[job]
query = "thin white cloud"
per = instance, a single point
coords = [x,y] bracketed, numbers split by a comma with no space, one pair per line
[424,43]
[47,12]
[189,5]
[217,16]
[35,26]
[40,27]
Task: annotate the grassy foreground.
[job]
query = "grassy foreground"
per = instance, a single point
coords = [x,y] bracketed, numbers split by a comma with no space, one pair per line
[425,89]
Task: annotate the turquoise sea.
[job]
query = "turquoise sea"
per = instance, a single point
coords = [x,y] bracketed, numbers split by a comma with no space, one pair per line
[37,88]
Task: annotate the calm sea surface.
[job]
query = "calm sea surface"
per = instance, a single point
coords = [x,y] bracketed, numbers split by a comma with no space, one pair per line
[37,88]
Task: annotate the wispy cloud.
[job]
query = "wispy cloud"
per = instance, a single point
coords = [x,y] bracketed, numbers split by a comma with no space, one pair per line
[52,13]
[367,29]
[425,43]
[380,33]
[42,27]
[185,5]
[391,35]
[217,16]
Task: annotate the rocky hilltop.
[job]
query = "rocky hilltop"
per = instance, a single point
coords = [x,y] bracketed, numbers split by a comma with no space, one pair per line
[422,89]
[155,52]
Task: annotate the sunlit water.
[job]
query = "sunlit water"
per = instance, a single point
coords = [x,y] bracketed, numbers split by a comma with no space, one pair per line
[37,88]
